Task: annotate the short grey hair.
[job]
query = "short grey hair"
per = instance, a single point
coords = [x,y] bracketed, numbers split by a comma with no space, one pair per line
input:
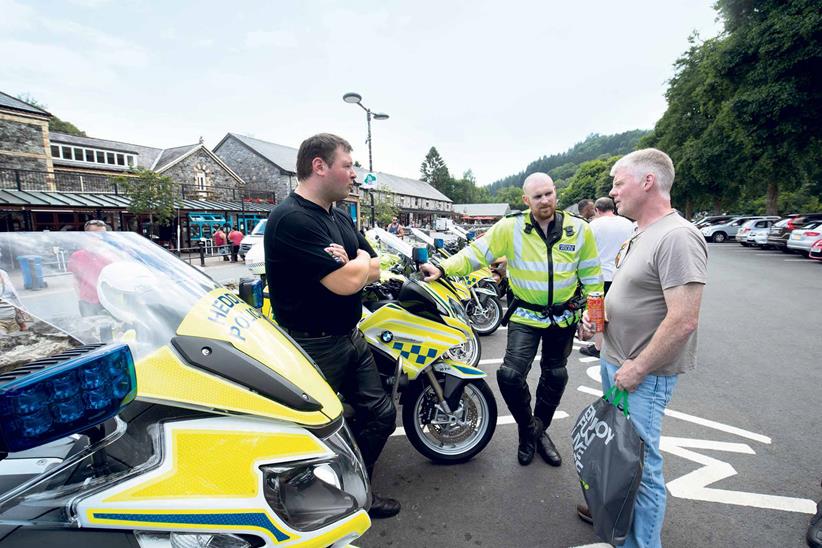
[649,160]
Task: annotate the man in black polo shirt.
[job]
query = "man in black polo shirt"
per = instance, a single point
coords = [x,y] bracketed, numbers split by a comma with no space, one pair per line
[316,264]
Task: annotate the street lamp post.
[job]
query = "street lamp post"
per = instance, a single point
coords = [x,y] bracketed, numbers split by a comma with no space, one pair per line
[356,98]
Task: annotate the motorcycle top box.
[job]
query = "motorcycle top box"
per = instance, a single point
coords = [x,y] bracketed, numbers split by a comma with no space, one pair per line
[169,412]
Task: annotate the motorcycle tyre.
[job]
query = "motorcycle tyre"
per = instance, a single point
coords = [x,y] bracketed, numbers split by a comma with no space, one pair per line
[496,303]
[409,415]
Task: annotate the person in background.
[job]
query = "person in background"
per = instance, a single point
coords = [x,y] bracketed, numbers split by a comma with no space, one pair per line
[652,314]
[86,265]
[586,209]
[396,228]
[611,231]
[12,317]
[235,237]
[220,242]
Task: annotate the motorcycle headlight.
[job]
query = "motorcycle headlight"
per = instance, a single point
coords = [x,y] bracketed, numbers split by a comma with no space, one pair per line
[309,495]
[458,309]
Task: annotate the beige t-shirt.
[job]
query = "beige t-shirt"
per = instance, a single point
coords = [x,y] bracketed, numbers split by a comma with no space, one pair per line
[670,252]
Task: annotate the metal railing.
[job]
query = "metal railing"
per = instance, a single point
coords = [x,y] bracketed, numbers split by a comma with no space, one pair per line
[62,181]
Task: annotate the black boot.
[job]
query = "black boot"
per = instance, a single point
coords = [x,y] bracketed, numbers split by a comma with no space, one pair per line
[546,447]
[383,507]
[527,443]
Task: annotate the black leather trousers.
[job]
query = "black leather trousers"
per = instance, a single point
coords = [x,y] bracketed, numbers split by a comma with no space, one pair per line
[349,368]
[523,342]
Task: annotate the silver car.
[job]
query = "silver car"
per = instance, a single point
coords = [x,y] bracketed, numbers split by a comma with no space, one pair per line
[803,238]
[749,229]
[720,232]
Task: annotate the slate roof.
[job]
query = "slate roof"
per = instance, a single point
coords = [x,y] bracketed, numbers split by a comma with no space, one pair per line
[170,154]
[282,156]
[9,102]
[145,156]
[116,201]
[286,158]
[482,210]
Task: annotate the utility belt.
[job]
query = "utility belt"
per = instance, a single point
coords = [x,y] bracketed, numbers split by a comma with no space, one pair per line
[573,304]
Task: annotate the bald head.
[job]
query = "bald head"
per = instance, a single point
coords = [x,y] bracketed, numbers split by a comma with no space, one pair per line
[535,178]
[540,195]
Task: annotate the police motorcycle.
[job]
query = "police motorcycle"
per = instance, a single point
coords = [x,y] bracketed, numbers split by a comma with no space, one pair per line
[416,334]
[484,307]
[168,414]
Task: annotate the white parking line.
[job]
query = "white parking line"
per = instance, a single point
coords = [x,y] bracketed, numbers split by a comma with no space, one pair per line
[797,261]
[589,359]
[501,420]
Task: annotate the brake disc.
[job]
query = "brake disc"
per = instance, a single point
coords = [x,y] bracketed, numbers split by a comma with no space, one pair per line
[456,433]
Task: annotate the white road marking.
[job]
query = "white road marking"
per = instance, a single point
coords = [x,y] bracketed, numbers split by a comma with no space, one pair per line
[589,359]
[697,420]
[595,545]
[797,261]
[501,420]
[694,486]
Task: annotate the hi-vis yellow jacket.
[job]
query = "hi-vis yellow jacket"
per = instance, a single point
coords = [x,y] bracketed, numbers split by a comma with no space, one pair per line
[542,270]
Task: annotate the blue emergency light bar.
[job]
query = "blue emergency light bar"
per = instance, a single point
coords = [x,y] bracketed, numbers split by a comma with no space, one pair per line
[55,397]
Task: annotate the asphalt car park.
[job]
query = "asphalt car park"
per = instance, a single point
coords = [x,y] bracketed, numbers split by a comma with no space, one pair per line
[741,438]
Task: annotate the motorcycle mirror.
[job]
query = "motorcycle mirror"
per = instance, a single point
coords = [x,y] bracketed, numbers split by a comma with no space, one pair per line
[251,291]
[420,254]
[470,236]
[439,243]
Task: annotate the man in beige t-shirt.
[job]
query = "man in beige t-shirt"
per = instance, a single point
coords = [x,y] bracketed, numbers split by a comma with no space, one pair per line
[652,310]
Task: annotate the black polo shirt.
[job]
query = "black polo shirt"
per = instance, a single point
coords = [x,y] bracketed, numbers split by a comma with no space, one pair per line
[296,235]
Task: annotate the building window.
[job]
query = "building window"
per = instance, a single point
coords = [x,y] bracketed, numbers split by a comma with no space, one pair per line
[200,180]
[101,157]
[109,157]
[130,160]
[55,151]
[121,160]
[89,155]
[78,154]
[66,153]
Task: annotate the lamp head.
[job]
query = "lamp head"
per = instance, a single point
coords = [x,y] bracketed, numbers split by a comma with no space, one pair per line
[352,98]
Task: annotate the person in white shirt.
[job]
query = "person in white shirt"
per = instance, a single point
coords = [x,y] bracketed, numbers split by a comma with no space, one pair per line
[610,231]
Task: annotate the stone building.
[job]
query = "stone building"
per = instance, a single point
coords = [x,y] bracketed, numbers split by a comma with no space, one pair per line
[24,135]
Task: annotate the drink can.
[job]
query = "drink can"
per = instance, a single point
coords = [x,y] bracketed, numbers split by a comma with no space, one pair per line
[596,310]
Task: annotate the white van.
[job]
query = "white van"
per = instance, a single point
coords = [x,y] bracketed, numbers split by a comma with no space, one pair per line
[255,236]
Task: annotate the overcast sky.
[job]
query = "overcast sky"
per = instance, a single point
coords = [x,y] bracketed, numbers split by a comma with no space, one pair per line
[492,84]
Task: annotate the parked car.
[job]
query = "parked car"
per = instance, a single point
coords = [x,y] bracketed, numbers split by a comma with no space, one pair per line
[748,228]
[255,236]
[803,238]
[816,250]
[713,220]
[781,231]
[720,232]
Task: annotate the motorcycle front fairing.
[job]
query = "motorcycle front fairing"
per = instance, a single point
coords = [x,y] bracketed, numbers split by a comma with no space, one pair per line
[234,431]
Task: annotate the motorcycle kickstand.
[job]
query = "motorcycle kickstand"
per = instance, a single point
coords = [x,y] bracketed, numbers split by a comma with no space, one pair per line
[438,390]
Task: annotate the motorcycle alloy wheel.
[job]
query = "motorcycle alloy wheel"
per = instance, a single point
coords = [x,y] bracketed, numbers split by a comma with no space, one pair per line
[485,319]
[468,352]
[454,438]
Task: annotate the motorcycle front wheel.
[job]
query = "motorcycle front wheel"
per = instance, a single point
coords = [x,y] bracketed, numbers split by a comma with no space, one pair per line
[456,437]
[487,316]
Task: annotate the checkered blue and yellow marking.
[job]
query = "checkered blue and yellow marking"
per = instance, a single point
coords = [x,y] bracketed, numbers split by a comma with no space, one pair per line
[417,353]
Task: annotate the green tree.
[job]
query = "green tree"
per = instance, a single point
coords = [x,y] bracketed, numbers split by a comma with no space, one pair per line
[55,123]
[150,193]
[592,180]
[434,172]
[512,196]
[385,207]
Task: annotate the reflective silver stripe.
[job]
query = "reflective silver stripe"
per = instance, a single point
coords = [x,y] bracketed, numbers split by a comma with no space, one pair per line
[565,283]
[591,280]
[580,234]
[519,223]
[565,267]
[544,319]
[472,259]
[484,249]
[589,263]
[532,285]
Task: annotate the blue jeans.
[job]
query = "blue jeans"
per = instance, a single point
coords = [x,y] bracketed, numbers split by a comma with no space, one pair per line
[646,404]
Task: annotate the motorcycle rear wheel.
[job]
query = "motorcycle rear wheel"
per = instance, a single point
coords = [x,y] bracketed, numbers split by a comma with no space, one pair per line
[465,436]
